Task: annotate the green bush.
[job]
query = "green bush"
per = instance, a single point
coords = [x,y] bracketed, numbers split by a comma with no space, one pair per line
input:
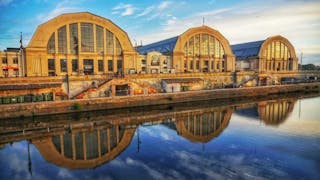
[76,106]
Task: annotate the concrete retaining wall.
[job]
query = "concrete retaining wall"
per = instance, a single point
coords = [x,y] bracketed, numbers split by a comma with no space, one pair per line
[42,108]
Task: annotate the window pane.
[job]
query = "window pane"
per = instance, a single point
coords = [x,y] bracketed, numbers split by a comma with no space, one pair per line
[51,45]
[73,28]
[197,45]
[110,65]
[51,67]
[100,65]
[74,65]
[86,37]
[63,65]
[118,47]
[109,43]
[99,39]
[62,40]
[204,45]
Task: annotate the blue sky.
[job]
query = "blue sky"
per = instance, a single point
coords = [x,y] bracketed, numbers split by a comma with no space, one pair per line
[152,20]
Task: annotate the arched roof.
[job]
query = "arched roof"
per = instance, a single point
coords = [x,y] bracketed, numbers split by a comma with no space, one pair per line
[255,49]
[183,38]
[281,39]
[177,43]
[44,31]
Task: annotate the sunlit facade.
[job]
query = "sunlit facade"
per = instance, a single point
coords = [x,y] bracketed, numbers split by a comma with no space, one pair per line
[78,44]
[275,54]
[10,63]
[199,49]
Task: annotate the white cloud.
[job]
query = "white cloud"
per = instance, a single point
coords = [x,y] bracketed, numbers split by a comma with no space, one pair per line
[65,6]
[164,5]
[126,9]
[297,21]
[146,11]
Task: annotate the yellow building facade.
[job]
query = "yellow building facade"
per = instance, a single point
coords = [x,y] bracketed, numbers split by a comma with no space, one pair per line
[274,54]
[199,49]
[86,44]
[10,63]
[78,44]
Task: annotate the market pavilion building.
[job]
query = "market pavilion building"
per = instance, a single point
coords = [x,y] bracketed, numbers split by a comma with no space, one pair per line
[274,54]
[78,44]
[199,49]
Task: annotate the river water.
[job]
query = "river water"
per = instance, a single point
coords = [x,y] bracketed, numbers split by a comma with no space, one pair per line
[275,138]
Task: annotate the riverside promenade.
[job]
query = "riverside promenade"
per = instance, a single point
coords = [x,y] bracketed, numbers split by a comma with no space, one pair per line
[109,103]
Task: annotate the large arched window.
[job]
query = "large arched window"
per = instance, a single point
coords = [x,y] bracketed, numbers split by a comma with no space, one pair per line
[278,56]
[88,42]
[204,52]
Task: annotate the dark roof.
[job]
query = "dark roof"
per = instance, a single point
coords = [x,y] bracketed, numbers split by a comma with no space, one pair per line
[164,46]
[182,80]
[246,50]
[11,49]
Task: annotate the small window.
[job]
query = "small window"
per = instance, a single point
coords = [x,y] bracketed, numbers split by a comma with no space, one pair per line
[51,67]
[63,65]
[198,64]
[191,64]
[16,72]
[143,61]
[4,60]
[110,65]
[15,60]
[100,66]
[75,66]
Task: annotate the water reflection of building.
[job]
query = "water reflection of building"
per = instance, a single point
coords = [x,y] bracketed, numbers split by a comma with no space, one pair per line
[85,148]
[202,126]
[275,112]
[272,112]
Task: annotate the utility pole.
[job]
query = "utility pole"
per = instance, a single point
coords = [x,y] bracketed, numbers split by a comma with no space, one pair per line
[301,60]
[21,57]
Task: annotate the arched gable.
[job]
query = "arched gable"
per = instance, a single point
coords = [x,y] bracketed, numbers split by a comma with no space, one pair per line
[183,38]
[44,31]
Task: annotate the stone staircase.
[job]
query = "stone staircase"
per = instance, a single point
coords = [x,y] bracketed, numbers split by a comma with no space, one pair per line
[91,88]
[252,78]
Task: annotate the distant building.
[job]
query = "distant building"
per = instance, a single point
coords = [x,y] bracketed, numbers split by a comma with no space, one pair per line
[199,49]
[275,54]
[10,63]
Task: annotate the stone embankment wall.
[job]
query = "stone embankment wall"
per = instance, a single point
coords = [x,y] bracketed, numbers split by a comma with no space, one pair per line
[34,109]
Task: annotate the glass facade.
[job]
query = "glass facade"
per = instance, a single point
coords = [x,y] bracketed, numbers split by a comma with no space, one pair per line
[203,50]
[77,38]
[278,57]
